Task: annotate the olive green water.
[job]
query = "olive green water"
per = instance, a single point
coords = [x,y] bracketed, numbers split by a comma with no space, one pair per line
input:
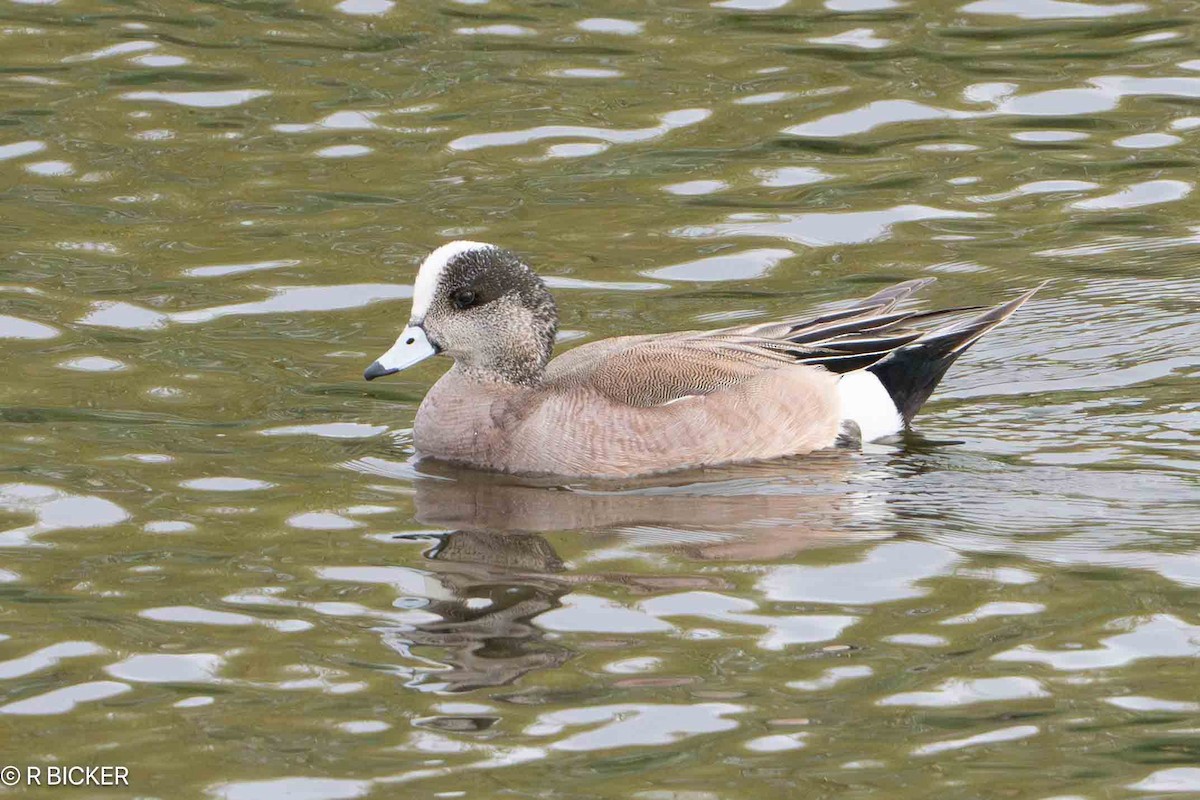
[221,567]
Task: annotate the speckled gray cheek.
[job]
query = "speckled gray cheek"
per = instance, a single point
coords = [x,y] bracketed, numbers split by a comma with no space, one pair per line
[509,334]
[509,340]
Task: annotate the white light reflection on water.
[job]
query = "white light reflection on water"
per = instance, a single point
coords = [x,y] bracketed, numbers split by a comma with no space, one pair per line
[53,510]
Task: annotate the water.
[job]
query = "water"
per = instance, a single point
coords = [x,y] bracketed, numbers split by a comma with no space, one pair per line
[222,569]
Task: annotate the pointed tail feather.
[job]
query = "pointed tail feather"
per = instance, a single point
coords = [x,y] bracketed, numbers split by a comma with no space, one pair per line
[894,294]
[911,373]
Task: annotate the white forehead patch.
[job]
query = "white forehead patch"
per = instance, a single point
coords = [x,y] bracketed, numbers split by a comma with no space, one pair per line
[430,273]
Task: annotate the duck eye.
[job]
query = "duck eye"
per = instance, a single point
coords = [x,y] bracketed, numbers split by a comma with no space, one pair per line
[463,298]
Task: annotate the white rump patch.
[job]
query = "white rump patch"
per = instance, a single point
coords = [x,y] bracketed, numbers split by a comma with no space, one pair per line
[431,271]
[868,404]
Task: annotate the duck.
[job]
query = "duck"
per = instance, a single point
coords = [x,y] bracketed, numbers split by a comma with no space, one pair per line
[653,403]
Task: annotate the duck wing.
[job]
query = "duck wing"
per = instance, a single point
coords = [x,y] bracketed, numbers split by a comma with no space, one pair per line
[655,370]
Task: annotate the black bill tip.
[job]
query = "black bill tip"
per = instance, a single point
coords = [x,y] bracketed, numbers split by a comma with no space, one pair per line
[377,370]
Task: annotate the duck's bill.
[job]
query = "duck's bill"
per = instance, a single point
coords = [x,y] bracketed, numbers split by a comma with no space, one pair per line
[412,347]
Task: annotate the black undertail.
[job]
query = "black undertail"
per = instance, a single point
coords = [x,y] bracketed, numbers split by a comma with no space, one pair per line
[911,372]
[909,351]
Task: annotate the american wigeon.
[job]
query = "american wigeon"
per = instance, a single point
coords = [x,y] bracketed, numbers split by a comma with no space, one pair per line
[635,405]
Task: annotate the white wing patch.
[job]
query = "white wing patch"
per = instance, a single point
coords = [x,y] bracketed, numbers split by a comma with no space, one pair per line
[679,399]
[431,271]
[867,403]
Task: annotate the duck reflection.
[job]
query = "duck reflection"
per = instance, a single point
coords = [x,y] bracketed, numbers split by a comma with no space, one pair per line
[501,570]
[750,512]
[498,583]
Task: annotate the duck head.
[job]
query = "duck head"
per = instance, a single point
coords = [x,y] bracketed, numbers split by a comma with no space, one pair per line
[481,306]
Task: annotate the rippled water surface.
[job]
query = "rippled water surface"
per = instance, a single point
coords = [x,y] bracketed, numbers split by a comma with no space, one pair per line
[221,567]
